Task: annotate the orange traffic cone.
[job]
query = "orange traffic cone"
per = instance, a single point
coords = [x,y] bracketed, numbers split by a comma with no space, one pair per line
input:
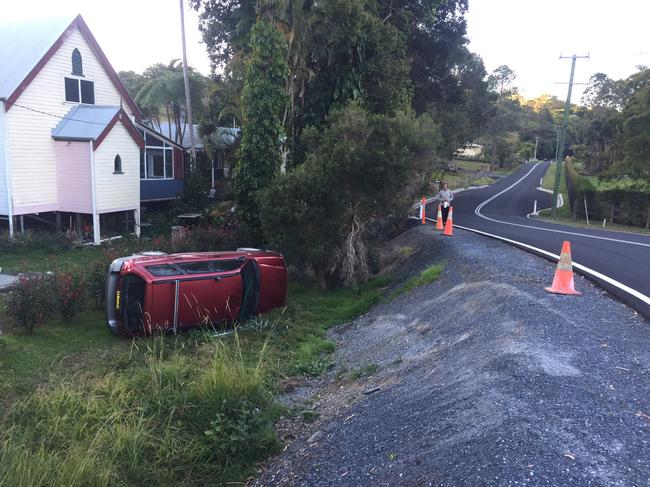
[563,280]
[439,225]
[449,229]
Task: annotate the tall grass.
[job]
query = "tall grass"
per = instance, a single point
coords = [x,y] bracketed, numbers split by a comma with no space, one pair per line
[83,408]
[178,414]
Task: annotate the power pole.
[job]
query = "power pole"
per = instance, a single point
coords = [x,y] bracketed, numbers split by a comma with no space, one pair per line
[188,100]
[536,143]
[565,125]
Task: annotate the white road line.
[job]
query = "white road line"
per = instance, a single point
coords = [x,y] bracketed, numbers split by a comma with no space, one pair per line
[633,292]
[478,209]
[637,294]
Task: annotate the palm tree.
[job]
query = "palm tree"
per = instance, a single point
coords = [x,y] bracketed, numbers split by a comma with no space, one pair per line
[163,96]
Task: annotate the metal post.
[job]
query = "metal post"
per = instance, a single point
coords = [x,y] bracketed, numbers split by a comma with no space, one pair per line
[188,100]
[176,294]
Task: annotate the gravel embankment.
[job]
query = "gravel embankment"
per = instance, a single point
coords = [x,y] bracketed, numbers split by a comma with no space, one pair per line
[483,378]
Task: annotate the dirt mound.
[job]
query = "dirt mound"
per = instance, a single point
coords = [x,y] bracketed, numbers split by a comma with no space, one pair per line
[481,378]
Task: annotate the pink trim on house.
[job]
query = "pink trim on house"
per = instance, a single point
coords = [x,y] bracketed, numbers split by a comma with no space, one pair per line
[30,209]
[73,177]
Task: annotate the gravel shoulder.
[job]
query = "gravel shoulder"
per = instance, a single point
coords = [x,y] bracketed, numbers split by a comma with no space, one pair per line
[481,378]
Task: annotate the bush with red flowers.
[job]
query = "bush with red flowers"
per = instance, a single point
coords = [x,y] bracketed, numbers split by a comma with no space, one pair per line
[71,294]
[31,302]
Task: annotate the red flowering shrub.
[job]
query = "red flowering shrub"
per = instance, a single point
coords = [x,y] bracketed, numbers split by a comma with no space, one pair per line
[31,302]
[71,294]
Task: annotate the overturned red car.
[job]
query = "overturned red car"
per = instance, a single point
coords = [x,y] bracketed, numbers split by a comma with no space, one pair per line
[155,291]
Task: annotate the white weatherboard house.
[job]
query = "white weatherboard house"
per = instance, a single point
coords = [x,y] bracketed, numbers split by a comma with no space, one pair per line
[68,143]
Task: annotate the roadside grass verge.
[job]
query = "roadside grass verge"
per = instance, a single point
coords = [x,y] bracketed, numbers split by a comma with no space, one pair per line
[80,407]
[548,182]
[596,225]
[427,276]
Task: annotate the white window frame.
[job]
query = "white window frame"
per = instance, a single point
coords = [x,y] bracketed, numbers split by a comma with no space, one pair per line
[165,147]
[78,78]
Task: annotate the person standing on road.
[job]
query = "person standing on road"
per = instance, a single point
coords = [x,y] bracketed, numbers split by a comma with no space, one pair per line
[445,196]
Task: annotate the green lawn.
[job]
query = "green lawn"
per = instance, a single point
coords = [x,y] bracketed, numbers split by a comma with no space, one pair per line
[39,260]
[470,165]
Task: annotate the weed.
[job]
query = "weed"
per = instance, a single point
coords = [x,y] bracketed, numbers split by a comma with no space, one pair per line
[365,371]
[427,276]
[309,415]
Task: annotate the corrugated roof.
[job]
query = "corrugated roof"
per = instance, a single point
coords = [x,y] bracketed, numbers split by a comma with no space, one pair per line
[225,136]
[22,45]
[167,128]
[84,122]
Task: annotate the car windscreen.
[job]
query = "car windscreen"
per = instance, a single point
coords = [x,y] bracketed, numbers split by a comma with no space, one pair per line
[133,291]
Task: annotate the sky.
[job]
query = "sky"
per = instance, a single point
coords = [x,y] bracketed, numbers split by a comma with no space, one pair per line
[530,35]
[527,35]
[133,34]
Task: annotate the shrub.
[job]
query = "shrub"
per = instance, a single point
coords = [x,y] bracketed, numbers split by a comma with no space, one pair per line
[31,302]
[71,294]
[360,169]
[51,242]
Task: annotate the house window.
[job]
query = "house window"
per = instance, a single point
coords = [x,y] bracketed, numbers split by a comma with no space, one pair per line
[157,159]
[77,90]
[117,164]
[77,66]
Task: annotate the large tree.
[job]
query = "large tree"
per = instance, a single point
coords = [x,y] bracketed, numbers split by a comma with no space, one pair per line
[263,101]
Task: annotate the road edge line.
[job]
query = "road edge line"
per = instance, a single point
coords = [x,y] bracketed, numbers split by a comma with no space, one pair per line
[612,282]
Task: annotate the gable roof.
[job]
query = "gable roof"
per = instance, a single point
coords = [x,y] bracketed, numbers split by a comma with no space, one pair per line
[26,47]
[91,122]
[22,45]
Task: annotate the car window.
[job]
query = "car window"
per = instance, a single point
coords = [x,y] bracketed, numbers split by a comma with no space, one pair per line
[163,270]
[225,265]
[201,267]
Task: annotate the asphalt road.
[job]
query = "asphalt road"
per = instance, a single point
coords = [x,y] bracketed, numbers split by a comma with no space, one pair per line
[619,262]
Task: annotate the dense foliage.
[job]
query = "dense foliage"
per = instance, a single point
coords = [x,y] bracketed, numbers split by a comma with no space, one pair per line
[263,101]
[361,170]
